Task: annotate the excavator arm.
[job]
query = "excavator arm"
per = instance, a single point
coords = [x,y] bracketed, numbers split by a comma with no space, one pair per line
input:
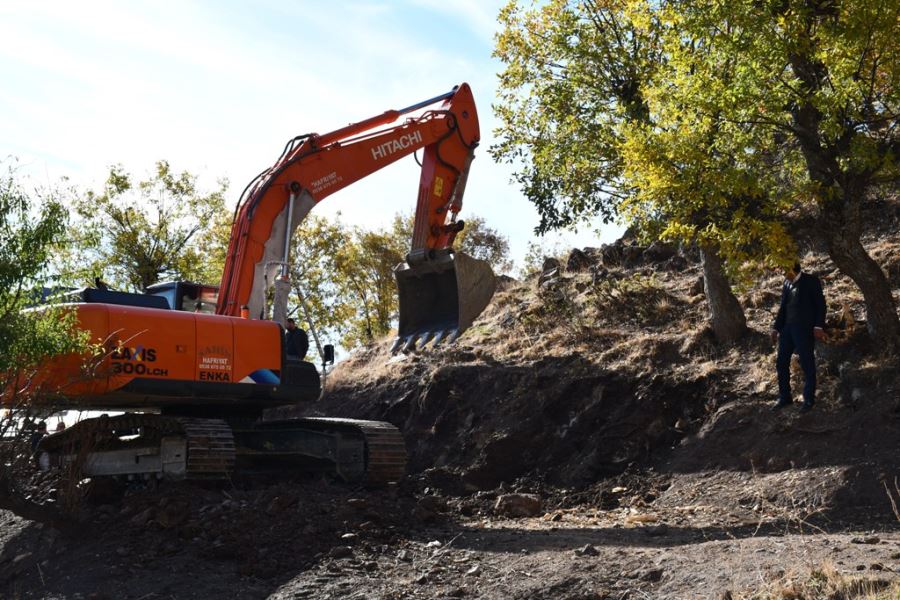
[437,299]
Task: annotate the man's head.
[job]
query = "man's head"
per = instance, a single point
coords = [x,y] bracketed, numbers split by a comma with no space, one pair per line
[793,271]
[290,325]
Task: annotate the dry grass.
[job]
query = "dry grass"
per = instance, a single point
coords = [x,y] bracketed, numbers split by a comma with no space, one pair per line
[825,583]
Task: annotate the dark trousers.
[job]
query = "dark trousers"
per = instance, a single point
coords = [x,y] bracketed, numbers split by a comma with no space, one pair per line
[799,339]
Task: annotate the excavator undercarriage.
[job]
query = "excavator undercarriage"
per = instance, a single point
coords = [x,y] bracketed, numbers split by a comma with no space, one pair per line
[176,448]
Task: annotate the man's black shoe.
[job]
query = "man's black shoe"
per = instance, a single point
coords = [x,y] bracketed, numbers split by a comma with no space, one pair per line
[806,407]
[780,404]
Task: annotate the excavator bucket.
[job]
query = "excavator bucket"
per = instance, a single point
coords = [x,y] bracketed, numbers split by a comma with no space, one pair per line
[440,298]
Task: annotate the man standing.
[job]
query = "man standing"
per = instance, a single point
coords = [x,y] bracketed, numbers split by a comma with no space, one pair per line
[296,343]
[800,321]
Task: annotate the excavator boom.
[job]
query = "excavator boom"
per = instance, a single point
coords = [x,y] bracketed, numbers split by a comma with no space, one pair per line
[437,300]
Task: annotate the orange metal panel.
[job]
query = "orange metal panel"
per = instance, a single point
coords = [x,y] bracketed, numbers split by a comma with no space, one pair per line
[215,349]
[151,343]
[257,346]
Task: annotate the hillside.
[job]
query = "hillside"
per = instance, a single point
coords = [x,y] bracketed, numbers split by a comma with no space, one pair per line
[645,458]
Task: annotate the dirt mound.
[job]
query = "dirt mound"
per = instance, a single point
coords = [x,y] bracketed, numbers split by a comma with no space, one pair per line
[602,362]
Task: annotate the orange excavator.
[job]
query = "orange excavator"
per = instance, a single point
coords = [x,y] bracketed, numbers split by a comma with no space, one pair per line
[194,384]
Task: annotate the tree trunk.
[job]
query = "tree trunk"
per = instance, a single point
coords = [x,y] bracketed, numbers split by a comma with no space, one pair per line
[726,317]
[842,226]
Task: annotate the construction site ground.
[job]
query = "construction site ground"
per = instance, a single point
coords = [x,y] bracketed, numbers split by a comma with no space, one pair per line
[587,438]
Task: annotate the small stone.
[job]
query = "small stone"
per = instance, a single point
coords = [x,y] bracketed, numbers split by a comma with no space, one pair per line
[456,593]
[142,517]
[349,536]
[433,544]
[518,505]
[340,552]
[122,551]
[21,557]
[587,550]
[867,540]
[404,555]
[476,570]
[876,567]
[357,502]
[422,579]
[652,575]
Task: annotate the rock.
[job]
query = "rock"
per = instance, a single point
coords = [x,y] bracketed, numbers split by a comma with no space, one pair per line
[550,264]
[476,570]
[587,550]
[611,254]
[429,507]
[340,552]
[697,287]
[172,514]
[279,503]
[577,261]
[518,505]
[867,540]
[550,272]
[433,544]
[652,575]
[659,252]
[349,536]
[404,555]
[676,263]
[142,518]
[422,579]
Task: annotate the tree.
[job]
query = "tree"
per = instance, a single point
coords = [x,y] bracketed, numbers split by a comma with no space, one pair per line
[573,72]
[317,283]
[29,235]
[366,268]
[573,89]
[818,79]
[138,234]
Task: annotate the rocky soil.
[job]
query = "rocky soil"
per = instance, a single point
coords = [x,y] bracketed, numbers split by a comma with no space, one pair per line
[585,439]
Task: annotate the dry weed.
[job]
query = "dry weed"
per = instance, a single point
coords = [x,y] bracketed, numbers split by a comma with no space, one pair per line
[825,583]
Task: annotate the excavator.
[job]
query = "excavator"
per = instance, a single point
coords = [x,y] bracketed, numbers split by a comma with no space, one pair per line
[194,383]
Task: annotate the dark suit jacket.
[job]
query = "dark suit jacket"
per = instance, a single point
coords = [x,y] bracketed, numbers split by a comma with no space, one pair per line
[811,299]
[296,343]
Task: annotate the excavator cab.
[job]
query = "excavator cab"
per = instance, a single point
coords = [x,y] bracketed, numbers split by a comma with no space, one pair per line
[441,292]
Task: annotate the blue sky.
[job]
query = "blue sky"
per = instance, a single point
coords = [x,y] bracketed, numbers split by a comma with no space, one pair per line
[218,87]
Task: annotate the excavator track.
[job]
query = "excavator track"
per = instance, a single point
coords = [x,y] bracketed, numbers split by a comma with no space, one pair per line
[191,448]
[210,448]
[136,444]
[385,456]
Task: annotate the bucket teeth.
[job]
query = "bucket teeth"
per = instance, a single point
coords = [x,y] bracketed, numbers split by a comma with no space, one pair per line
[438,338]
[454,335]
[426,337]
[410,343]
[396,345]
